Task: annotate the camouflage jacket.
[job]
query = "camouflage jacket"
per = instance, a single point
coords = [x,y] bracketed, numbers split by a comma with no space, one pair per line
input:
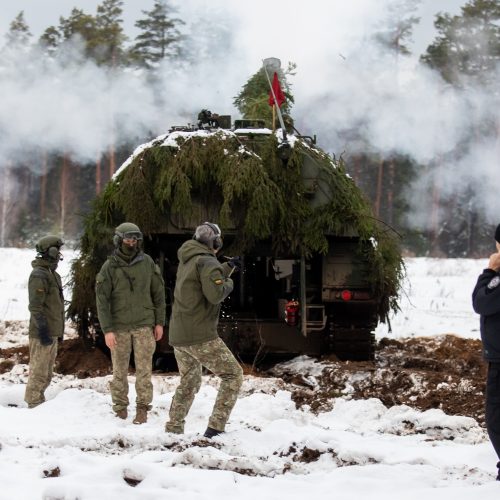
[130,295]
[46,301]
[202,284]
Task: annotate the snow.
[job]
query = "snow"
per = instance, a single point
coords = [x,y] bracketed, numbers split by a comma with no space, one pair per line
[72,447]
[172,140]
[437,298]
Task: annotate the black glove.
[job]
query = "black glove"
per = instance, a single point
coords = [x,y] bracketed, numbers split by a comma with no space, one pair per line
[43,332]
[235,263]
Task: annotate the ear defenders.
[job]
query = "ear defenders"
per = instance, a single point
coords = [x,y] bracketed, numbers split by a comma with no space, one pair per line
[215,241]
[54,253]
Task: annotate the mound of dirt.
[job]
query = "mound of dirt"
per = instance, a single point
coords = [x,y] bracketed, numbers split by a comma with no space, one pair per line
[13,356]
[73,358]
[445,372]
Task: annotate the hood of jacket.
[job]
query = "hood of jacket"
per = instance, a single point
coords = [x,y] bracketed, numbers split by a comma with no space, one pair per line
[192,248]
[117,258]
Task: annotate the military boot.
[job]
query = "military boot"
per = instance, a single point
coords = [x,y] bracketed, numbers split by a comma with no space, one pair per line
[123,414]
[141,416]
[210,433]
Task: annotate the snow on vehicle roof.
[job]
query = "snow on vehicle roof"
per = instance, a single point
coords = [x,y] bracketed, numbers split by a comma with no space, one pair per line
[171,139]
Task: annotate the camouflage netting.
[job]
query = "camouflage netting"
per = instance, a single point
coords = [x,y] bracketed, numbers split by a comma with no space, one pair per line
[255,193]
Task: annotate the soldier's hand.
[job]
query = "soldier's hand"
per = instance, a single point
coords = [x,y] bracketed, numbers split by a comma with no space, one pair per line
[235,263]
[494,262]
[45,338]
[158,332]
[110,339]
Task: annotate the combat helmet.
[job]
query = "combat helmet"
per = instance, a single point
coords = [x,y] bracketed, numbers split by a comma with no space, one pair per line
[126,230]
[49,246]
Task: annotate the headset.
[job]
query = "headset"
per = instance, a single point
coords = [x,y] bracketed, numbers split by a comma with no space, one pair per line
[54,253]
[214,241]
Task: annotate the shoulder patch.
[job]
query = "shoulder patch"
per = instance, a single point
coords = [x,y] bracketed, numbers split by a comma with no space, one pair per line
[494,282]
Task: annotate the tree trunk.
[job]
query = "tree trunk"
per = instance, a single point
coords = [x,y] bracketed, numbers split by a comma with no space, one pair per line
[357,169]
[5,204]
[434,222]
[390,192]
[112,160]
[378,194]
[98,175]
[43,187]
[64,188]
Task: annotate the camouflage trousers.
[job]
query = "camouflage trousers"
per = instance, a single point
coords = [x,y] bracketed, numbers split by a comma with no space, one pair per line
[144,344]
[42,359]
[215,356]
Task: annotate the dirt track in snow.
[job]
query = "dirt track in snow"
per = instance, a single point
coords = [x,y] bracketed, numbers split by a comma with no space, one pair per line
[444,372]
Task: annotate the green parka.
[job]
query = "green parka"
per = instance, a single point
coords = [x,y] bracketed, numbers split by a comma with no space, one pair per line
[202,283]
[46,301]
[130,295]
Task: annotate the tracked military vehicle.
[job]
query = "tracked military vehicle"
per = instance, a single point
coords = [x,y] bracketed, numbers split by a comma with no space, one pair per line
[319,272]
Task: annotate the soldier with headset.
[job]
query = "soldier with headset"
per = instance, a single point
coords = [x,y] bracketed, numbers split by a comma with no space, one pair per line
[46,306]
[202,284]
[130,299]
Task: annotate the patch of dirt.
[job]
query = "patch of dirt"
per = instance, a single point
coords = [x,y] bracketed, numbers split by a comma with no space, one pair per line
[55,472]
[13,356]
[445,372]
[75,358]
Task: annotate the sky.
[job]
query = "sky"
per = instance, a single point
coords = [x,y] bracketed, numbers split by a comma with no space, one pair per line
[343,82]
[364,449]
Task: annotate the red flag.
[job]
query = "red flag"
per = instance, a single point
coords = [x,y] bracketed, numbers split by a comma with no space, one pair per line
[280,96]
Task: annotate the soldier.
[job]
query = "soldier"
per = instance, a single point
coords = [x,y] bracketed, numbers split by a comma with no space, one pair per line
[486,302]
[202,284]
[130,297]
[46,305]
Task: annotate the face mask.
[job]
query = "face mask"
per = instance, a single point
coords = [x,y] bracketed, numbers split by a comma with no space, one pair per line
[129,250]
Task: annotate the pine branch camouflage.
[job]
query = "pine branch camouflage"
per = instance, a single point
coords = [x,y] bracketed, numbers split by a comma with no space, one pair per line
[247,188]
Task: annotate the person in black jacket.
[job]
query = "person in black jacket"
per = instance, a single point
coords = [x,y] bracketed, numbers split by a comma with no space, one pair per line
[486,302]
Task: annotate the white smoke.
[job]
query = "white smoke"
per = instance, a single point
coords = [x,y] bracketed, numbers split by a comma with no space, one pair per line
[344,82]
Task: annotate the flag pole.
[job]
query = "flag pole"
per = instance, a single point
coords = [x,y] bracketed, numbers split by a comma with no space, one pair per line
[278,110]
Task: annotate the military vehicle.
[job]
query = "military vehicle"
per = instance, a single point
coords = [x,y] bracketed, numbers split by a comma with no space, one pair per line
[319,271]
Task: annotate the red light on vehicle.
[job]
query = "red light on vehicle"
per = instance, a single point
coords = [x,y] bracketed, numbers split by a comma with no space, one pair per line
[346,295]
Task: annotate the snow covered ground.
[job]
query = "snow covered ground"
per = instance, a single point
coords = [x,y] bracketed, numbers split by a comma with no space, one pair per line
[73,448]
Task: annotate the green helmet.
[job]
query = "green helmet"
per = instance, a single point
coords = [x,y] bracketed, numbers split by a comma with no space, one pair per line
[49,246]
[126,230]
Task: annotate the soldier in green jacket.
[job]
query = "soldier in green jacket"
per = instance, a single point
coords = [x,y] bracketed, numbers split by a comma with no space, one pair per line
[202,284]
[46,305]
[130,297]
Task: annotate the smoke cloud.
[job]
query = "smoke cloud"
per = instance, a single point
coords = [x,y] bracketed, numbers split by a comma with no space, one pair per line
[348,91]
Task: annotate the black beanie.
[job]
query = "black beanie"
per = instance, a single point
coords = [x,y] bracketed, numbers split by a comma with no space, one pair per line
[497,233]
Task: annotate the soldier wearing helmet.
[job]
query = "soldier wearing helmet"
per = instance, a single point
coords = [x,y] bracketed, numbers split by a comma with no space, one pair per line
[202,284]
[130,298]
[46,306]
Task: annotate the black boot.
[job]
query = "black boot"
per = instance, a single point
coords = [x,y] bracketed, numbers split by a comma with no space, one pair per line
[210,433]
